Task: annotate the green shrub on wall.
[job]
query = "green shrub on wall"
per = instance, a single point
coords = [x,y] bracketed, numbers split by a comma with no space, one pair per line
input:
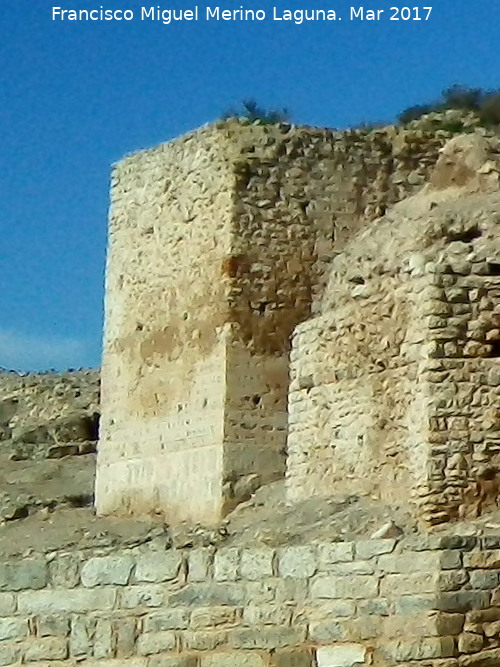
[251,112]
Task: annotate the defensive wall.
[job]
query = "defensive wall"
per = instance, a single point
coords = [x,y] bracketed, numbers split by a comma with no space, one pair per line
[419,602]
[220,243]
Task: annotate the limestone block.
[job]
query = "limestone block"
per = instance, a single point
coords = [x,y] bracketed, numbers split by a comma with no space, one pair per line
[340,552]
[107,570]
[257,563]
[64,571]
[124,633]
[268,614]
[82,636]
[294,658]
[10,653]
[266,637]
[7,604]
[420,649]
[234,659]
[169,619]
[30,573]
[48,648]
[204,640]
[158,566]
[72,600]
[343,655]
[470,643]
[209,594]
[333,630]
[199,562]
[366,549]
[297,561]
[213,616]
[226,564]
[142,596]
[13,628]
[172,661]
[156,642]
[104,638]
[355,587]
[52,626]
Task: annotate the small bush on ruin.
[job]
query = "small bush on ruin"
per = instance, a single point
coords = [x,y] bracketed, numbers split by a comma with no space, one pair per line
[251,112]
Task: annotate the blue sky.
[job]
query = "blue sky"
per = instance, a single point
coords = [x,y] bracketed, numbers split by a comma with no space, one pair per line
[76,97]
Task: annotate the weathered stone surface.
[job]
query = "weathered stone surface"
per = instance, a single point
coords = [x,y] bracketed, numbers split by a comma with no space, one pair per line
[49,648]
[60,600]
[107,570]
[294,658]
[13,628]
[168,619]
[233,660]
[257,563]
[23,575]
[226,564]
[356,587]
[161,566]
[156,642]
[344,655]
[297,562]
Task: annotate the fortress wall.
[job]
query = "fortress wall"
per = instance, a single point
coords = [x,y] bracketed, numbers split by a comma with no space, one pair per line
[464,379]
[219,245]
[300,194]
[356,424]
[430,601]
[164,357]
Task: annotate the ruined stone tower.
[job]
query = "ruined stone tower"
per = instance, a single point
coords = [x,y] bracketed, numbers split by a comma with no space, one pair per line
[219,245]
[395,385]
[212,260]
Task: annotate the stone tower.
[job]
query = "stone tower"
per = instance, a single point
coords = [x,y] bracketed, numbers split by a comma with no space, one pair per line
[219,245]
[213,254]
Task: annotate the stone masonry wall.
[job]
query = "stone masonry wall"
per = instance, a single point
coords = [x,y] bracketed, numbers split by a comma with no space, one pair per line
[219,244]
[463,373]
[426,601]
[394,386]
[164,358]
[356,423]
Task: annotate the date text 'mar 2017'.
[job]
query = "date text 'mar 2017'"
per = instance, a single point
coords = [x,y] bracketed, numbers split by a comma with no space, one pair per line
[392,14]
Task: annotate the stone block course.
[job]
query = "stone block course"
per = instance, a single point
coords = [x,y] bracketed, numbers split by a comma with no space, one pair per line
[60,600]
[319,617]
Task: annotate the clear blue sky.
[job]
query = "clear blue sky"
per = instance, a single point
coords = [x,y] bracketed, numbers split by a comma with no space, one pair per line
[76,97]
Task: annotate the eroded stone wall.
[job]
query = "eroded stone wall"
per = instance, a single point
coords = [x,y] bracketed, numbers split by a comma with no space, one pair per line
[164,352]
[219,244]
[463,375]
[429,601]
[356,423]
[394,386]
